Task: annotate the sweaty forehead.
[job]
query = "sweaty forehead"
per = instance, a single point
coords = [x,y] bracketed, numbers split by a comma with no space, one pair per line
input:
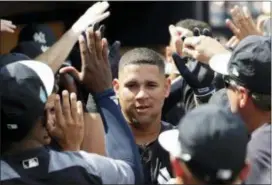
[140,72]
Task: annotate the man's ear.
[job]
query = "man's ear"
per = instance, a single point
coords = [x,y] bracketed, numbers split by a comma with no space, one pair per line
[245,171]
[244,97]
[167,87]
[115,84]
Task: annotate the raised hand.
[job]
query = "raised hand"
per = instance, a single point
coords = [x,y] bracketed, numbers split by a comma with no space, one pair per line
[177,33]
[7,26]
[95,71]
[94,14]
[69,127]
[242,24]
[202,48]
[198,76]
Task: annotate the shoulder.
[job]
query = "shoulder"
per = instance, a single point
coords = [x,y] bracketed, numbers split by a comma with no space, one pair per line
[260,139]
[259,147]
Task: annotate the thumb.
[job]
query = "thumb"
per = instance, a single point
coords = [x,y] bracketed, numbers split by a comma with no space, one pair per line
[70,69]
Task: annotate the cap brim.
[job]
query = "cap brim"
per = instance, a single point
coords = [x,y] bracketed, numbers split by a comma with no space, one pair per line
[169,141]
[43,71]
[219,63]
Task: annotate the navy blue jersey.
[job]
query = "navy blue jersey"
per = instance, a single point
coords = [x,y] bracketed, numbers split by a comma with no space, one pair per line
[47,167]
[155,160]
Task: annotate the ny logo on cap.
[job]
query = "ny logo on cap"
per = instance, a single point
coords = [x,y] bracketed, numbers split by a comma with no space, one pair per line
[44,48]
[235,72]
[224,174]
[39,37]
[12,126]
[30,163]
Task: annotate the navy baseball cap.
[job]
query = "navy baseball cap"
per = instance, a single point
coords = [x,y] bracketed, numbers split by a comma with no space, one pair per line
[249,65]
[40,33]
[30,48]
[211,142]
[25,87]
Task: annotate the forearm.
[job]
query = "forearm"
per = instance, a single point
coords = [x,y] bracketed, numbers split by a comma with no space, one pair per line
[120,143]
[94,140]
[58,53]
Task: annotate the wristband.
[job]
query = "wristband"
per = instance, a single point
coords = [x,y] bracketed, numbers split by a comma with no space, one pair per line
[202,92]
[203,99]
[106,93]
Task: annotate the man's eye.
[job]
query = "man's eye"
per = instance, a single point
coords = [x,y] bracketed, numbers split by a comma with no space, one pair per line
[152,85]
[131,85]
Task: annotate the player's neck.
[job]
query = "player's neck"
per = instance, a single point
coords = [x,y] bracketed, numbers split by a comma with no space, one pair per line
[146,134]
[256,121]
[22,146]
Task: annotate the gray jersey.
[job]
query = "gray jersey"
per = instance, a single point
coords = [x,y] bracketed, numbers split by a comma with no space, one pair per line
[45,166]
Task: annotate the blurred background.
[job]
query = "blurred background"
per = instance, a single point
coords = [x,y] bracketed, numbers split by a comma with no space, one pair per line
[133,23]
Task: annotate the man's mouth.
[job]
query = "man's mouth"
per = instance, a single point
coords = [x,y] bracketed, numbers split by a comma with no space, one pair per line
[142,108]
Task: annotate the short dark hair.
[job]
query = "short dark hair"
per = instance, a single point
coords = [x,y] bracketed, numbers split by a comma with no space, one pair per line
[190,24]
[142,56]
[262,101]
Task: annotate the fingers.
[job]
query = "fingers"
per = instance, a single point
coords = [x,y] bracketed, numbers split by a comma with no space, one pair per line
[96,9]
[236,16]
[66,109]
[235,42]
[178,45]
[84,53]
[7,29]
[7,26]
[246,12]
[98,45]
[101,17]
[105,50]
[248,16]
[73,100]
[173,31]
[232,27]
[102,30]
[260,24]
[230,42]
[192,41]
[91,43]
[243,22]
[58,111]
[71,70]
[190,53]
[80,115]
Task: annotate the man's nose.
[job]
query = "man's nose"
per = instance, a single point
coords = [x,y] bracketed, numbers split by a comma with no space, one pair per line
[142,94]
